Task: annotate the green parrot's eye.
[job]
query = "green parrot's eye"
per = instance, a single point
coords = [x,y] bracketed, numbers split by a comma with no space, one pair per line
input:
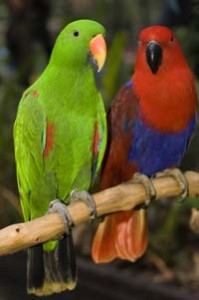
[76,33]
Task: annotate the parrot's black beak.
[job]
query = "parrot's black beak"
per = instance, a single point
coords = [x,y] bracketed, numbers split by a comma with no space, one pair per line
[154,56]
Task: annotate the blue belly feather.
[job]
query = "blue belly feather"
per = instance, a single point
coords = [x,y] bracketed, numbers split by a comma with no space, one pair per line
[153,151]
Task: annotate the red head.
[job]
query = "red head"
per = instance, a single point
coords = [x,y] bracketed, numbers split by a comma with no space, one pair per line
[163,80]
[158,49]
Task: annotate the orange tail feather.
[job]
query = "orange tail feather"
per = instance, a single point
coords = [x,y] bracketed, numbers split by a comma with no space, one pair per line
[123,235]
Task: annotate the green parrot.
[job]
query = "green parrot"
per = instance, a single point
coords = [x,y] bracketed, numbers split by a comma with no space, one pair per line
[60,138]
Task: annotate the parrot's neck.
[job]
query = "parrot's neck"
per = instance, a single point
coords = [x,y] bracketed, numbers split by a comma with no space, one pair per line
[65,76]
[70,84]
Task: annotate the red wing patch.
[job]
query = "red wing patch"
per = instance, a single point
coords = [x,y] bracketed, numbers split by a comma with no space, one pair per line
[35,93]
[49,139]
[96,140]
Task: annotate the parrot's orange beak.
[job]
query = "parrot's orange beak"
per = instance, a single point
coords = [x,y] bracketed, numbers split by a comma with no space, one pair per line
[98,50]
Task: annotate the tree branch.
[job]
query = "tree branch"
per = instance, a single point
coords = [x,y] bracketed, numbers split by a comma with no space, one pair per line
[194,221]
[120,198]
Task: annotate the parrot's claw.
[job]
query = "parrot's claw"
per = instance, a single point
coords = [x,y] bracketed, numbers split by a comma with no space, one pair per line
[148,185]
[88,199]
[61,208]
[180,178]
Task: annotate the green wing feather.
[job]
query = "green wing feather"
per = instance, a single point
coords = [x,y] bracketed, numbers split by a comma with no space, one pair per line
[101,141]
[28,129]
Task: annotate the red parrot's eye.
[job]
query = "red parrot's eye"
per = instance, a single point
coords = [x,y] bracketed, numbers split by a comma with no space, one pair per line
[76,33]
[171,39]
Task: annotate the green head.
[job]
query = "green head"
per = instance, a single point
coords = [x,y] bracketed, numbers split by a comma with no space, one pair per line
[78,42]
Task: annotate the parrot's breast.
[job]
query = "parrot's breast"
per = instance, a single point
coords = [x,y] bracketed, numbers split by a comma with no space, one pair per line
[154,151]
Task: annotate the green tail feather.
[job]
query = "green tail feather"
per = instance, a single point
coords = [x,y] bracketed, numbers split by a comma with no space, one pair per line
[53,271]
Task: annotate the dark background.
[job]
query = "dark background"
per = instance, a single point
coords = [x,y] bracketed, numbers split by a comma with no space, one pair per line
[28,28]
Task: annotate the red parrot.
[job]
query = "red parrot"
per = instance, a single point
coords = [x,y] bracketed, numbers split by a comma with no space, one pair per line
[151,121]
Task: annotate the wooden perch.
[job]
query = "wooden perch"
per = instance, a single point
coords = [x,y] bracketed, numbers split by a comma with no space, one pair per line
[120,198]
[194,221]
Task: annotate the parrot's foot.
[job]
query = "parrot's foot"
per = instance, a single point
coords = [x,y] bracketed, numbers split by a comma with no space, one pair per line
[148,185]
[179,177]
[61,208]
[88,199]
